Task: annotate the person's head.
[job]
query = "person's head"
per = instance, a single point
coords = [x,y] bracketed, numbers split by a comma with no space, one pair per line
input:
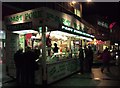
[55,44]
[27,48]
[106,49]
[89,47]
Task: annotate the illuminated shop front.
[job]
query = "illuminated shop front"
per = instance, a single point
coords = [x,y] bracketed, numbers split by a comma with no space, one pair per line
[62,29]
[2,45]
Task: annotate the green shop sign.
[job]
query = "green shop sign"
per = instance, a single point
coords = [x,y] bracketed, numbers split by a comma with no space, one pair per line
[24,17]
[74,31]
[61,20]
[49,16]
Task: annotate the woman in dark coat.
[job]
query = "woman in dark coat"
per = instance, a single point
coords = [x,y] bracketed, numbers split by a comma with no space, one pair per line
[106,57]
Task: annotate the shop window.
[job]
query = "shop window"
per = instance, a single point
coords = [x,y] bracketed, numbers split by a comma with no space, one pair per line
[77,12]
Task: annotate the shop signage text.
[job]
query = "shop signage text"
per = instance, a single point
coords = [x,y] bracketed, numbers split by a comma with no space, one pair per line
[64,28]
[25,16]
[62,20]
[103,24]
[49,16]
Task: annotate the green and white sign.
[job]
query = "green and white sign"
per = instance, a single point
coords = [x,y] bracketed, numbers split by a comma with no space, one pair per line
[56,18]
[44,16]
[24,17]
[74,31]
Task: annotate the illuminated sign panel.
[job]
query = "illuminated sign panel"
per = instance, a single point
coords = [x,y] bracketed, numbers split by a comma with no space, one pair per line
[103,24]
[45,16]
[55,18]
[23,17]
[74,31]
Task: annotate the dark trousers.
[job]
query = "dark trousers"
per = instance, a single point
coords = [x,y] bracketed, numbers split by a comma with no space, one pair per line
[29,77]
[82,66]
[90,64]
[87,65]
[18,75]
[105,65]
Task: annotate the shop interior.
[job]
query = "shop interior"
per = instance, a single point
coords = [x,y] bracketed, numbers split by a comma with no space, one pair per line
[67,43]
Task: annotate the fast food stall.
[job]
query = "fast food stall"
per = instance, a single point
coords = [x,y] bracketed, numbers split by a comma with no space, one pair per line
[63,29]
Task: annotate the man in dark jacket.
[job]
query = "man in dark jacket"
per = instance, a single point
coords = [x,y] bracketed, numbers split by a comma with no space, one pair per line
[18,62]
[29,66]
[90,59]
[81,58]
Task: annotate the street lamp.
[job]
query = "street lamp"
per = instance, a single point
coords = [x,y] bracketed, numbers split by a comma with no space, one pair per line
[89,0]
[73,2]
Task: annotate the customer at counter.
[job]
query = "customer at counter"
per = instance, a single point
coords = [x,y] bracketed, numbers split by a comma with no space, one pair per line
[55,49]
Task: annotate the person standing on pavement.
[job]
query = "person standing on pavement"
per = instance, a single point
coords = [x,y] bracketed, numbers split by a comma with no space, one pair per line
[81,58]
[86,61]
[106,57]
[90,59]
[29,67]
[18,62]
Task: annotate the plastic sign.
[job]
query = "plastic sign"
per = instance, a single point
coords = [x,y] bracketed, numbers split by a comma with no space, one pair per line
[23,17]
[74,31]
[112,25]
[45,16]
[103,24]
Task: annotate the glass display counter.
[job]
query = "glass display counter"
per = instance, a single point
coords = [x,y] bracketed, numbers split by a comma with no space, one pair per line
[60,57]
[56,57]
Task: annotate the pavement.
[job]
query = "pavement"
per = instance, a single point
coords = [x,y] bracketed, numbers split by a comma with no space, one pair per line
[96,79]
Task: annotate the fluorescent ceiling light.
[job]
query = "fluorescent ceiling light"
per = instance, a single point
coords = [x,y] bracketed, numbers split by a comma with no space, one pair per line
[89,39]
[59,34]
[25,31]
[62,33]
[1,32]
[116,44]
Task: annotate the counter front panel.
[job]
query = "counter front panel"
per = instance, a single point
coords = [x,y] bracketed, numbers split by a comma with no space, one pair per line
[61,69]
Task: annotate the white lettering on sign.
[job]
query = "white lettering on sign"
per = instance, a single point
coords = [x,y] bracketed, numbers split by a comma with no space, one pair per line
[76,31]
[66,28]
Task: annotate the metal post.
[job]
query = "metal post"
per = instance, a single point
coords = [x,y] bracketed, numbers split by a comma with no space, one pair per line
[44,74]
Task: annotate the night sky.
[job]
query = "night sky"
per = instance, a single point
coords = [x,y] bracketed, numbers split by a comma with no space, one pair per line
[108,10]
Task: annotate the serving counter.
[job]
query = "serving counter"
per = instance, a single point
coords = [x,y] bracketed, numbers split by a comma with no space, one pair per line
[61,69]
